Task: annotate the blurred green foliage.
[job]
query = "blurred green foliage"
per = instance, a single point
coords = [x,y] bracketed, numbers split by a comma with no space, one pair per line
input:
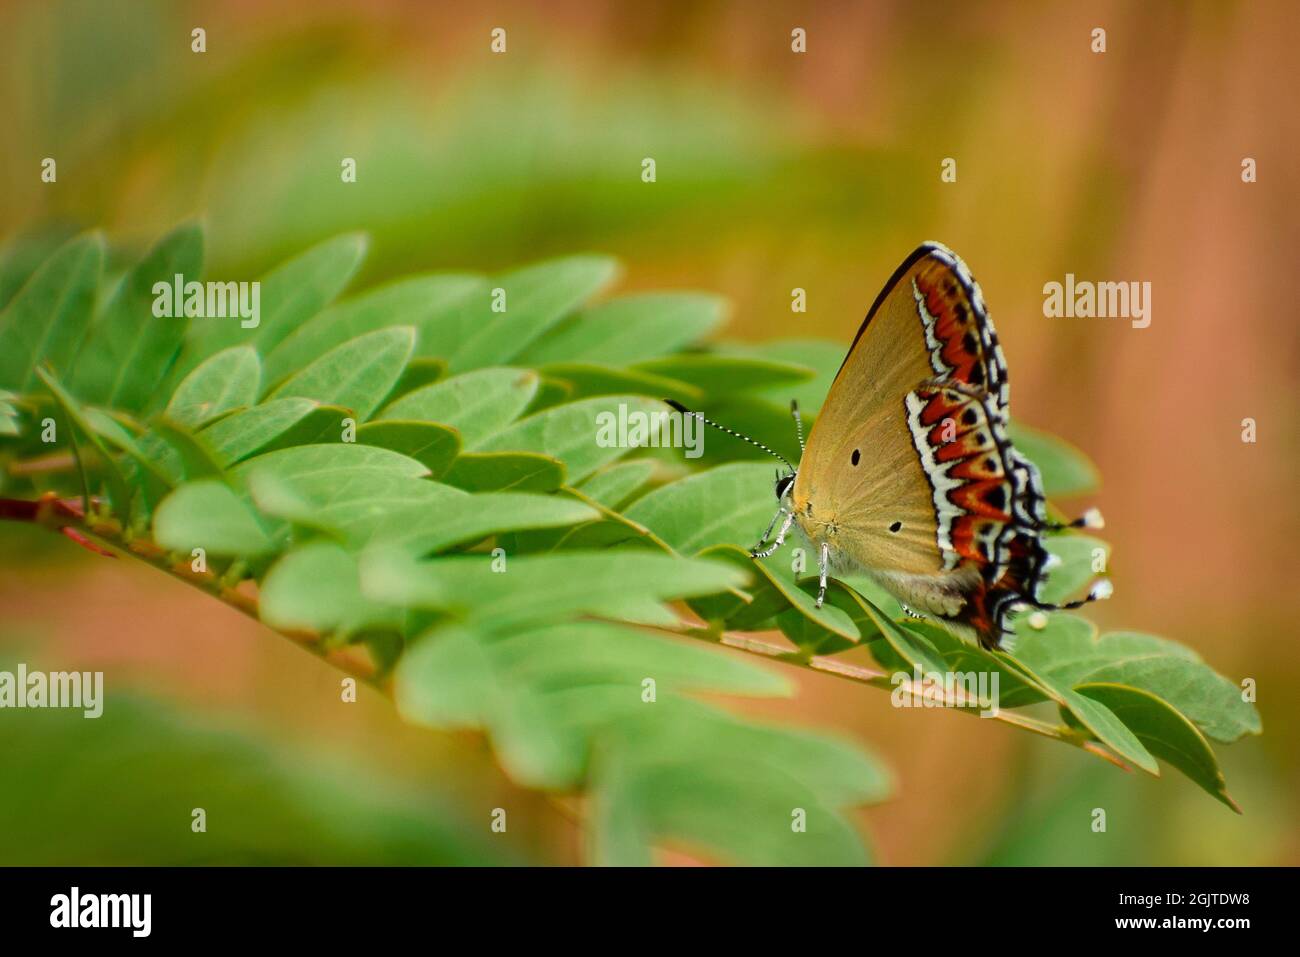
[121,789]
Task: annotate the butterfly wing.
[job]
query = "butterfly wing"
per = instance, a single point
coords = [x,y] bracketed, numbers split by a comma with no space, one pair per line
[908,471]
[988,502]
[934,295]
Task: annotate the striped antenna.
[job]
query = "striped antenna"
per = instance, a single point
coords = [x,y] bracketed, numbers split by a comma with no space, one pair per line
[722,428]
[798,422]
[1101,590]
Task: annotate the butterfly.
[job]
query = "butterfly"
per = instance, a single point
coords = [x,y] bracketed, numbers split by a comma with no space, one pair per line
[910,475]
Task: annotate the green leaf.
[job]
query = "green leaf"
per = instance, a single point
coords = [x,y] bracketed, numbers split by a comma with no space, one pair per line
[505,471]
[329,463]
[805,631]
[727,505]
[583,435]
[1065,470]
[363,501]
[630,329]
[154,456]
[247,431]
[430,689]
[130,350]
[1015,688]
[488,513]
[699,778]
[1107,728]
[911,646]
[197,457]
[420,302]
[536,298]
[435,446]
[825,358]
[584,379]
[759,419]
[558,700]
[8,413]
[357,375]
[485,514]
[419,372]
[775,592]
[622,584]
[724,376]
[708,809]
[290,294]
[1021,682]
[47,319]
[1165,668]
[349,503]
[1080,555]
[26,251]
[118,490]
[551,392]
[208,514]
[322,425]
[605,531]
[613,485]
[317,588]
[298,289]
[544,694]
[1166,733]
[228,380]
[478,404]
[347,489]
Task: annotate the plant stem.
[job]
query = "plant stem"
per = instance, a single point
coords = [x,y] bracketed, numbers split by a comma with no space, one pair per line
[881,679]
[68,516]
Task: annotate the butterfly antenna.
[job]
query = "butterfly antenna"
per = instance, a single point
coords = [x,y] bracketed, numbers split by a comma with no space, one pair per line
[1100,591]
[722,428]
[798,422]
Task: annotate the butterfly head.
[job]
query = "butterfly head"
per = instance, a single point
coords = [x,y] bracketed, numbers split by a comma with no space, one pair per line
[784,483]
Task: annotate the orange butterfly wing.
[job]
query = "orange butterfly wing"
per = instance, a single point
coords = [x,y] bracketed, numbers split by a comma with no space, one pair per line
[908,472]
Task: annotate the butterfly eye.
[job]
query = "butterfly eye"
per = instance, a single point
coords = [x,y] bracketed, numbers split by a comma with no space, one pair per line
[896,527]
[856,456]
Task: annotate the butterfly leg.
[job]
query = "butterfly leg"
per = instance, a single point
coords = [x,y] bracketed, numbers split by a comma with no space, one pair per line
[823,567]
[755,552]
[770,525]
